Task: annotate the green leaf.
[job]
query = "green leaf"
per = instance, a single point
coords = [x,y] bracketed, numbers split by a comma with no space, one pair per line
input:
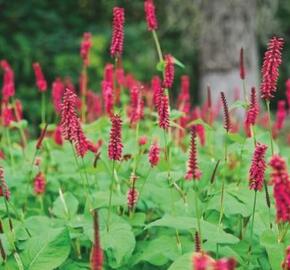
[182,263]
[65,206]
[160,66]
[274,249]
[178,63]
[238,104]
[46,251]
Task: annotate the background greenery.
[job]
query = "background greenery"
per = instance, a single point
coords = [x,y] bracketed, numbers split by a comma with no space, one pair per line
[50,32]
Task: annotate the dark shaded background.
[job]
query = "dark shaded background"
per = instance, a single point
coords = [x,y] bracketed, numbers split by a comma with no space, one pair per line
[50,32]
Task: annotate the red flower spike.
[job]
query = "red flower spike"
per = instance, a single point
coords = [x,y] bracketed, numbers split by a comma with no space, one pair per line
[281,180]
[115,147]
[80,141]
[200,261]
[57,93]
[252,112]
[41,137]
[151,20]
[96,257]
[19,110]
[39,183]
[157,90]
[193,171]
[227,121]
[132,195]
[40,80]
[270,72]
[163,112]
[57,136]
[4,190]
[86,45]
[69,119]
[242,67]
[142,140]
[224,264]
[197,242]
[258,167]
[118,32]
[280,115]
[7,115]
[168,71]
[154,154]
[136,104]
[200,131]
[94,106]
[8,88]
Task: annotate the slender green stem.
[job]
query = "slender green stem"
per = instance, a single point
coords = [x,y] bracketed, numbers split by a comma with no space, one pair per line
[222,202]
[226,147]
[43,109]
[159,52]
[270,126]
[9,147]
[197,210]
[142,187]
[88,189]
[284,233]
[253,218]
[110,197]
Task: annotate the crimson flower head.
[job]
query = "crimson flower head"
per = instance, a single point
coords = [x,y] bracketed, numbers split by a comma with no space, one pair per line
[136,103]
[200,261]
[132,195]
[118,32]
[200,131]
[157,90]
[142,140]
[40,80]
[57,93]
[4,189]
[258,167]
[270,72]
[242,66]
[69,119]
[281,115]
[168,71]
[39,183]
[193,171]
[224,264]
[57,136]
[80,141]
[163,112]
[154,154]
[115,147]
[281,180]
[8,88]
[252,112]
[6,115]
[151,20]
[227,120]
[86,45]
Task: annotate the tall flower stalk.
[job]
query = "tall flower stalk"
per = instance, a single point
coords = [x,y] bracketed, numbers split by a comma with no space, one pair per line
[270,74]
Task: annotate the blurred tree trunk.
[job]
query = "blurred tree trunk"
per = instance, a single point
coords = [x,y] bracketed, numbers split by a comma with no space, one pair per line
[227,25]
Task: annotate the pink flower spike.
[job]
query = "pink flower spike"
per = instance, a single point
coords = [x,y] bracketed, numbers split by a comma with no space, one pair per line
[86,45]
[118,32]
[242,66]
[39,183]
[270,72]
[8,88]
[40,80]
[151,20]
[4,189]
[115,147]
[168,71]
[258,167]
[154,154]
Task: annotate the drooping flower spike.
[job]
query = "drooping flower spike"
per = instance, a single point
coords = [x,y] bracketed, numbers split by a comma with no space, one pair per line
[118,32]
[281,180]
[115,147]
[258,167]
[270,72]
[242,66]
[227,121]
[39,77]
[151,20]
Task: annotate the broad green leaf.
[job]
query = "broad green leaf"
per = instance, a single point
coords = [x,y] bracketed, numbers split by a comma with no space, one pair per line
[47,250]
[182,263]
[65,206]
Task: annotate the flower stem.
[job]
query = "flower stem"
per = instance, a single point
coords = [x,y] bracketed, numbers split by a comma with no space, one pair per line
[110,198]
[197,210]
[222,202]
[253,218]
[159,52]
[9,147]
[270,126]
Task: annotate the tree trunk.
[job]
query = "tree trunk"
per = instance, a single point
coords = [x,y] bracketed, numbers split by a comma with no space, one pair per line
[227,25]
